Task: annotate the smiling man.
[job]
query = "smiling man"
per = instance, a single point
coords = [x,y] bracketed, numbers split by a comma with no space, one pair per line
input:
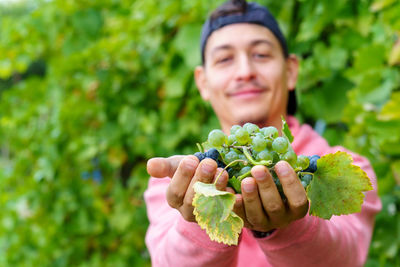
[248,75]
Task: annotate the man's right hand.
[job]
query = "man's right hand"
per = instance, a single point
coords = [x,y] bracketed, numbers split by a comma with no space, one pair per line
[185,171]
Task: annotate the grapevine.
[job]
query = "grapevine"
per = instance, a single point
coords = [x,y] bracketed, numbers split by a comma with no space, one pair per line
[333,184]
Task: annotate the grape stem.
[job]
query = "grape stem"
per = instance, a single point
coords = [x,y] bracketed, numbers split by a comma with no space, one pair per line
[303,173]
[252,161]
[200,147]
[244,175]
[237,147]
[230,164]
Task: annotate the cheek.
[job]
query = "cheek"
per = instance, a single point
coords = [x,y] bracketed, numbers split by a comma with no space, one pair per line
[219,82]
[274,75]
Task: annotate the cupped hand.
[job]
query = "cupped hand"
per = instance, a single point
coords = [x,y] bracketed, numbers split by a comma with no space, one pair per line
[184,172]
[260,204]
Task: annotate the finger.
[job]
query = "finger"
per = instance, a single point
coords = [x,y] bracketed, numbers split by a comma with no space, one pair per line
[222,177]
[252,204]
[293,189]
[270,197]
[230,190]
[163,167]
[238,208]
[180,181]
[204,173]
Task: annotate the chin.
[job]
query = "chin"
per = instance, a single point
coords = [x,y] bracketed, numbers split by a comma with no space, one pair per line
[253,117]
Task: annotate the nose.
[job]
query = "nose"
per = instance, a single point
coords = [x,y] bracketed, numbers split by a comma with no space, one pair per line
[245,70]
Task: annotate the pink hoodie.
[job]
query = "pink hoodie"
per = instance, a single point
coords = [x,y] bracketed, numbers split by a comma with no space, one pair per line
[311,241]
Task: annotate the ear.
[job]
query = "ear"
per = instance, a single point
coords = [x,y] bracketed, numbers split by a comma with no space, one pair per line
[292,71]
[201,82]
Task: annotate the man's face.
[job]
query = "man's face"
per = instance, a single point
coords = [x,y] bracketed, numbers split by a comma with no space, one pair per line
[245,76]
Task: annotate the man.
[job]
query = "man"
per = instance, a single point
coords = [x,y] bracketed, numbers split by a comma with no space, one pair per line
[247,74]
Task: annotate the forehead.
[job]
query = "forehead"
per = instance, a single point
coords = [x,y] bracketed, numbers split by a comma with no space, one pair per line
[240,35]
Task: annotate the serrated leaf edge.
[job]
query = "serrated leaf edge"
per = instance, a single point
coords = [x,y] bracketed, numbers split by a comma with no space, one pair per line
[213,233]
[368,186]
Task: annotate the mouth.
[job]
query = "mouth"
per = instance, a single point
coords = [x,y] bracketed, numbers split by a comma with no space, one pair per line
[249,93]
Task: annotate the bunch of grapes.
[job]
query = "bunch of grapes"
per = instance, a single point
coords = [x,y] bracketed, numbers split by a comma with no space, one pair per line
[248,146]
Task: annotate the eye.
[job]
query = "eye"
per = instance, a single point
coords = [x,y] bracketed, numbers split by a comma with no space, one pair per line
[223,60]
[261,55]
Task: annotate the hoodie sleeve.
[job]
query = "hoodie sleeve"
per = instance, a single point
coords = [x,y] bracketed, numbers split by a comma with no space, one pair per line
[341,241]
[172,241]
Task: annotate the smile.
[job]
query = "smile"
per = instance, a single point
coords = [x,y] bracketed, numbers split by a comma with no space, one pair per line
[247,93]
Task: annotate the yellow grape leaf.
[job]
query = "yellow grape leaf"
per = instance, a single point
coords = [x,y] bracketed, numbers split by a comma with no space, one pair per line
[394,57]
[337,186]
[213,211]
[390,110]
[378,5]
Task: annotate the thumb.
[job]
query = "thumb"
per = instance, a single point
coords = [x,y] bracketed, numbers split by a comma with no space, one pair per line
[163,167]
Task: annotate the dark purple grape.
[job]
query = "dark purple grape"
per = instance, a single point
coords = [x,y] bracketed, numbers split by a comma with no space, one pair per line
[220,163]
[212,154]
[313,163]
[200,155]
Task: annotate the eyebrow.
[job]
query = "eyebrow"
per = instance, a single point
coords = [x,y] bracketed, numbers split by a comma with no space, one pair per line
[252,44]
[220,47]
[262,41]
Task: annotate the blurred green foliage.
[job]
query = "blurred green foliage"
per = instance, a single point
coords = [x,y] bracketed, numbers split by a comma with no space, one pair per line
[90,90]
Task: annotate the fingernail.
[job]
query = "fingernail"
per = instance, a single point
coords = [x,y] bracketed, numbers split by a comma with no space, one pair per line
[282,169]
[258,174]
[248,187]
[207,168]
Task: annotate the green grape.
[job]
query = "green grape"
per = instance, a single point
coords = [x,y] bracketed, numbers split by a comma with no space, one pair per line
[242,136]
[275,156]
[307,178]
[244,159]
[231,156]
[258,143]
[303,162]
[251,128]
[222,151]
[268,142]
[280,145]
[244,170]
[234,128]
[290,157]
[231,139]
[217,138]
[270,131]
[265,155]
[232,172]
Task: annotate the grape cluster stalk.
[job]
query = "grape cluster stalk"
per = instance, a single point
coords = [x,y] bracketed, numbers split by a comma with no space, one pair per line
[247,146]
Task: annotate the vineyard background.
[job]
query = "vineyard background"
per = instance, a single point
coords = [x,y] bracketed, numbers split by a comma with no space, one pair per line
[90,90]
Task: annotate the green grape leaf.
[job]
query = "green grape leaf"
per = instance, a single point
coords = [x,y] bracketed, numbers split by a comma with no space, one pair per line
[286,131]
[337,186]
[213,211]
